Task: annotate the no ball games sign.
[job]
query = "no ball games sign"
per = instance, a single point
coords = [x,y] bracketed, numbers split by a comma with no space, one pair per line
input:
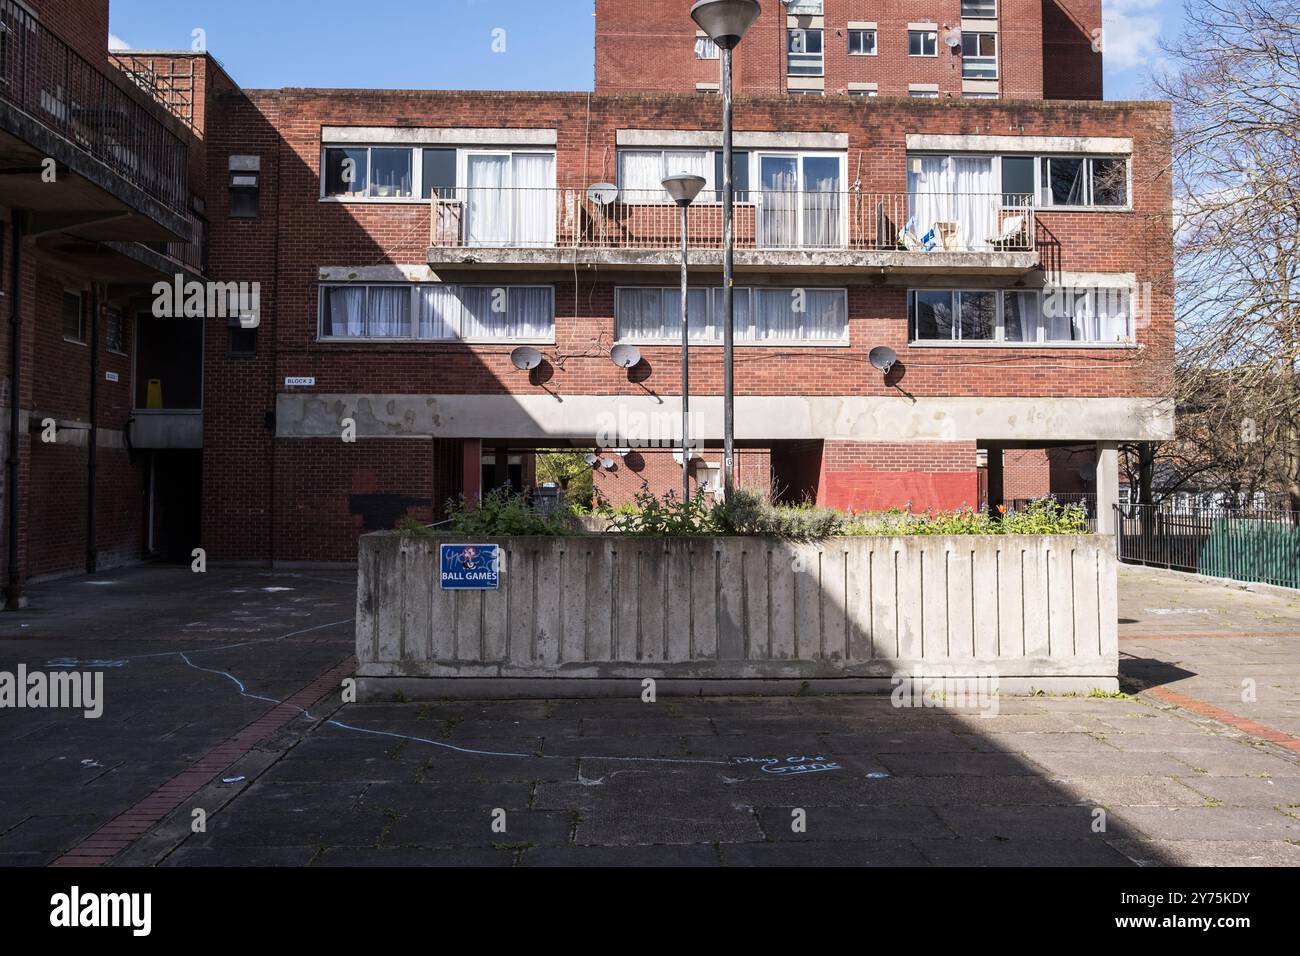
[469,567]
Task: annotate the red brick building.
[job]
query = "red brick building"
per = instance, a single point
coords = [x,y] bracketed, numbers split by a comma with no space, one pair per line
[411,247]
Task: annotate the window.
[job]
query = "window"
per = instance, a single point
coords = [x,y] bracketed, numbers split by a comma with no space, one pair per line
[922,93]
[954,315]
[978,95]
[979,9]
[1017,180]
[979,56]
[346,172]
[706,49]
[245,183]
[805,53]
[862,42]
[761,315]
[922,43]
[242,343]
[799,8]
[390,173]
[115,332]
[862,92]
[437,312]
[1088,315]
[438,173]
[641,173]
[803,203]
[74,320]
[1083,181]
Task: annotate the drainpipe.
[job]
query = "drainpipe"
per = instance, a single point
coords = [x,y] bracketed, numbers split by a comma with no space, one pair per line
[92,454]
[14,593]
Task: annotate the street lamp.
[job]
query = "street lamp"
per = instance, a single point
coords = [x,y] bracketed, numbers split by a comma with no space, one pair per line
[683,188]
[726,22]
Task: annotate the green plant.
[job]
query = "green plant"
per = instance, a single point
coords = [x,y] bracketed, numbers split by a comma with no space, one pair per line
[666,517]
[1045,516]
[504,512]
[750,513]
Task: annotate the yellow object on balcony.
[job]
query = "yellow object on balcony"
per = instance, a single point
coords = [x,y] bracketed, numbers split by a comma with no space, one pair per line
[153,393]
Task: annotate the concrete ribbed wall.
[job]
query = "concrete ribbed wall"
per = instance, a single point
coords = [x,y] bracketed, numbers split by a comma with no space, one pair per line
[610,608]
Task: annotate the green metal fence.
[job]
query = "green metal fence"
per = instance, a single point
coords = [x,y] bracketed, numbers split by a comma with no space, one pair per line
[1245,545]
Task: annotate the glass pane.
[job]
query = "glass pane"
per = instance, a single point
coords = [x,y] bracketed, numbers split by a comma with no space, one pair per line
[1017,180]
[1020,316]
[439,173]
[822,203]
[1064,181]
[1109,182]
[778,220]
[978,314]
[489,205]
[934,319]
[739,175]
[72,316]
[346,172]
[389,312]
[390,173]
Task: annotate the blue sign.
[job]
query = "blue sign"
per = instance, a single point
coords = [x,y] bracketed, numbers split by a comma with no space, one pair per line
[469,567]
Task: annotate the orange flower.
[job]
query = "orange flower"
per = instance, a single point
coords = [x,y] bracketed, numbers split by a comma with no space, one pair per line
[1002,509]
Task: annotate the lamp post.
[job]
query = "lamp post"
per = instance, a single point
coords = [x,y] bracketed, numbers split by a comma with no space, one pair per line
[683,188]
[726,22]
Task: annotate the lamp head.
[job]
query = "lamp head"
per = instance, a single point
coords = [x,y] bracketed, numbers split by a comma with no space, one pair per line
[683,187]
[725,21]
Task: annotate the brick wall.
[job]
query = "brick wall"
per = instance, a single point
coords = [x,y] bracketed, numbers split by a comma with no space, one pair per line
[874,476]
[81,24]
[1025,473]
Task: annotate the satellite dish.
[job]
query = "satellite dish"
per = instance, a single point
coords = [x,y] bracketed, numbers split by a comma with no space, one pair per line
[952,38]
[625,356]
[526,358]
[607,464]
[883,358]
[590,459]
[602,194]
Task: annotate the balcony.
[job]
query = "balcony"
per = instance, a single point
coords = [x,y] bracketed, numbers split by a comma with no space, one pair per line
[812,231]
[122,169]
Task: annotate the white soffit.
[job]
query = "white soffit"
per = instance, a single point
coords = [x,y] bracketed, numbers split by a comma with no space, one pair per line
[440,135]
[712,139]
[1020,144]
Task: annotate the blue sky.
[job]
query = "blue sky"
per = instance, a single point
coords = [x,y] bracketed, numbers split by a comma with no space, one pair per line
[473,44]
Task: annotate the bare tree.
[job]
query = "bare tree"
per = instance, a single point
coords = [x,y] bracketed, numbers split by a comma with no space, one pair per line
[1232,81]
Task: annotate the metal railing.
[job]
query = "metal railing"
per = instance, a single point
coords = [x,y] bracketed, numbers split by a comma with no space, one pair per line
[192,252]
[764,219]
[1242,544]
[45,78]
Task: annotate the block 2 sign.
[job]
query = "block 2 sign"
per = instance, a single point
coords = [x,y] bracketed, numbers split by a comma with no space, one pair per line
[469,567]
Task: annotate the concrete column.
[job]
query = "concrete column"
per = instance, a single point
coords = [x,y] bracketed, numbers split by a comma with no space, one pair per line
[1107,486]
[995,474]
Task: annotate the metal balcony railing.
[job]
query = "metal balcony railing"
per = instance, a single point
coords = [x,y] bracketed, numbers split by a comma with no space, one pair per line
[45,78]
[489,217]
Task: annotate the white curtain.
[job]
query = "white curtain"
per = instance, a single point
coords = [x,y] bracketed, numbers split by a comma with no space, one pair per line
[826,317]
[346,311]
[1020,312]
[534,199]
[389,311]
[640,174]
[487,203]
[774,315]
[822,212]
[531,312]
[1111,310]
[640,314]
[438,310]
[957,191]
[778,220]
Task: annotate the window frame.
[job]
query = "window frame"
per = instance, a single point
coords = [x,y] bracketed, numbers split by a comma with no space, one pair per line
[875,41]
[980,59]
[790,33]
[999,339]
[1042,190]
[706,43]
[711,189]
[82,327]
[413,315]
[923,34]
[979,16]
[121,315]
[713,292]
[417,197]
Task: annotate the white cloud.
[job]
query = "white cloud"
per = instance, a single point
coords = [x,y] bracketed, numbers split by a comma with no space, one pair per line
[1132,32]
[115,42]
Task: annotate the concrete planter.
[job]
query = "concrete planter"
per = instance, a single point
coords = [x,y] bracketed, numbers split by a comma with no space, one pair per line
[599,614]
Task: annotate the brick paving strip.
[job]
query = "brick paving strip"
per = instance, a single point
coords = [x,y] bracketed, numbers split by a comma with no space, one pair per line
[127,827]
[1243,724]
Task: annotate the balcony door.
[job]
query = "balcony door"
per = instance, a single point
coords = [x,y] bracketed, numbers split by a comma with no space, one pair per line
[956,197]
[510,199]
[801,202]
